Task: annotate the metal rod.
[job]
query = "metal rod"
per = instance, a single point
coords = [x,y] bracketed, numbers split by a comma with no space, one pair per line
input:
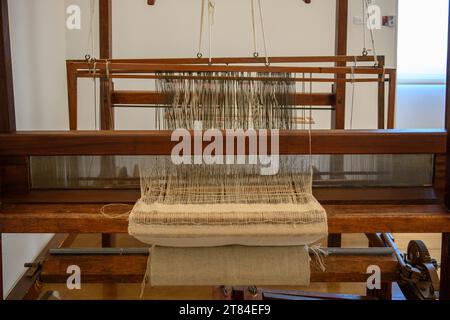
[145,251]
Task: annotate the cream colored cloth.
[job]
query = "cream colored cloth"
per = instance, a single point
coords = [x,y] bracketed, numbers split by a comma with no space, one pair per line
[215,225]
[231,265]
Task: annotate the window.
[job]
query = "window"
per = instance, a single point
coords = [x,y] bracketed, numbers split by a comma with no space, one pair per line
[422,41]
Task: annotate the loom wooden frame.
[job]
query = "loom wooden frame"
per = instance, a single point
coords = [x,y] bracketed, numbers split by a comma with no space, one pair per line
[389,210]
[109,69]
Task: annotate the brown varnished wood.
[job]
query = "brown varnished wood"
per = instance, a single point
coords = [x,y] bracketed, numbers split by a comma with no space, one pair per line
[439,176]
[424,195]
[392,98]
[72,89]
[131,269]
[338,121]
[155,98]
[86,218]
[15,175]
[7,110]
[248,60]
[445,258]
[127,67]
[339,88]
[381,97]
[158,142]
[106,88]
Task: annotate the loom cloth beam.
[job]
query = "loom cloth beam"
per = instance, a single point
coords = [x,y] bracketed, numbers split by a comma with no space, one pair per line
[356,218]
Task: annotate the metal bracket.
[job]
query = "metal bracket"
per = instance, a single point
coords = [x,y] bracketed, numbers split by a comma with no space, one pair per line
[34,267]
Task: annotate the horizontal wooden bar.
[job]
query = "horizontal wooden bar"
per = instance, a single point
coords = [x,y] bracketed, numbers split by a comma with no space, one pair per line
[91,75]
[151,97]
[355,218]
[241,60]
[156,68]
[159,142]
[131,269]
[339,195]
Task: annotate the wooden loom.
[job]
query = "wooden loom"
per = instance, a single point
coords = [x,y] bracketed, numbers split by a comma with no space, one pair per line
[365,210]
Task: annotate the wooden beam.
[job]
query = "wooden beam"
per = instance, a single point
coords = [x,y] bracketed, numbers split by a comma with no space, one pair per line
[341,49]
[338,114]
[248,60]
[325,195]
[106,88]
[381,97]
[354,218]
[131,269]
[105,25]
[159,142]
[156,98]
[7,111]
[106,85]
[445,258]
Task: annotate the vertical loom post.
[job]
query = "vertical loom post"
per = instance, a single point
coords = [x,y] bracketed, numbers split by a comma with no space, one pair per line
[7,109]
[106,85]
[444,293]
[392,98]
[338,121]
[338,115]
[72,91]
[381,96]
[106,110]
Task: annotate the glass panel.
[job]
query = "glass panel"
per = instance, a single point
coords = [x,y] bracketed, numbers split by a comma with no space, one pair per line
[122,172]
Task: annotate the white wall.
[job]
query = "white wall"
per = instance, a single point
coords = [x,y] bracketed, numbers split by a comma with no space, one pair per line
[171,29]
[38,50]
[365,102]
[40,45]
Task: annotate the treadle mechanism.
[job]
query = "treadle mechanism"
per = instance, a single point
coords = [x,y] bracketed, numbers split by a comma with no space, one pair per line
[423,284]
[416,274]
[418,277]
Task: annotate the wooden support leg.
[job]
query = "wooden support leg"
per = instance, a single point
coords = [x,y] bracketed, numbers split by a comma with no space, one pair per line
[108,240]
[334,240]
[444,293]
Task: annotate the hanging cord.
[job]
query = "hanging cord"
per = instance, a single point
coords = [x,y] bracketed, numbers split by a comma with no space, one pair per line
[255,40]
[112,205]
[91,40]
[261,15]
[372,35]
[202,15]
[211,14]
[90,59]
[365,52]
